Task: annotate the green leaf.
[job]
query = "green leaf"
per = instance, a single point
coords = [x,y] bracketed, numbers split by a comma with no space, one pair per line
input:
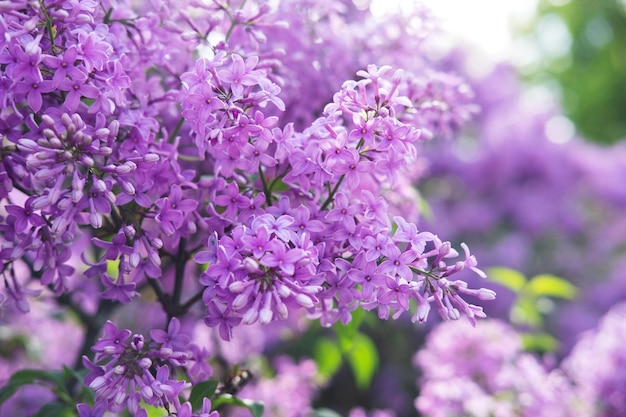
[28,377]
[153,411]
[325,412]
[54,409]
[256,408]
[525,312]
[7,391]
[113,268]
[510,278]
[363,360]
[86,394]
[200,391]
[346,333]
[540,342]
[327,356]
[552,286]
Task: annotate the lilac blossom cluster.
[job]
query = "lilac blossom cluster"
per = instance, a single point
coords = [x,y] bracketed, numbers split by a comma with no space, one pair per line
[295,381]
[486,373]
[123,378]
[499,379]
[543,199]
[325,242]
[152,152]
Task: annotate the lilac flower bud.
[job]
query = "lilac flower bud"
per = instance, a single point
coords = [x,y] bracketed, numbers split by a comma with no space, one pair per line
[237,286]
[137,342]
[120,397]
[283,291]
[304,301]
[65,203]
[147,392]
[119,369]
[486,294]
[114,128]
[27,145]
[240,301]
[87,160]
[252,265]
[101,134]
[59,14]
[95,219]
[46,120]
[41,202]
[98,382]
[127,187]
[110,197]
[49,133]
[98,185]
[151,158]
[250,316]
[145,363]
[126,168]
[165,352]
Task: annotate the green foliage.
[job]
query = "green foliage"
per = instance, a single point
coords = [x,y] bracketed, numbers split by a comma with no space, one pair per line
[592,75]
[349,346]
[327,356]
[509,278]
[256,408]
[363,359]
[30,377]
[530,305]
[57,382]
[54,409]
[200,391]
[551,286]
[325,412]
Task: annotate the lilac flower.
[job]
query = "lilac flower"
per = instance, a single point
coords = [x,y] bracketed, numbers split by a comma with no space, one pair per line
[24,216]
[281,257]
[64,65]
[93,50]
[86,411]
[33,90]
[113,341]
[595,364]
[240,74]
[76,89]
[172,339]
[220,317]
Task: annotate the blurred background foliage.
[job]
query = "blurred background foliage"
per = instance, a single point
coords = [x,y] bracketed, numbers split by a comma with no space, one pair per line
[581,50]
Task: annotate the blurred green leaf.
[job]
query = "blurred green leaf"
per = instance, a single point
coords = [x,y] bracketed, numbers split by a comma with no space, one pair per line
[525,312]
[363,360]
[28,377]
[552,286]
[325,412]
[86,394]
[510,278]
[346,333]
[540,342]
[200,391]
[154,411]
[327,356]
[54,409]
[256,408]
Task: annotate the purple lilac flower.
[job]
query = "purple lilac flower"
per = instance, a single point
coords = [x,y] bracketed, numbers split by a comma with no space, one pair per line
[484,372]
[595,365]
[123,373]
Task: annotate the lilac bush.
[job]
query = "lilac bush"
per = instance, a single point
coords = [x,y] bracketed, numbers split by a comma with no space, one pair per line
[485,372]
[540,199]
[197,162]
